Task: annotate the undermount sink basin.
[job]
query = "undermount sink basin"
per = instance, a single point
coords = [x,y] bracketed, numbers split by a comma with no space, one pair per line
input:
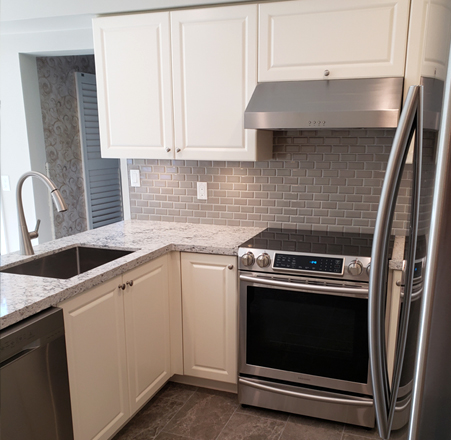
[67,263]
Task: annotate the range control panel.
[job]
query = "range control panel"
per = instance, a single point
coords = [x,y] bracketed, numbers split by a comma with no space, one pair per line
[347,267]
[309,263]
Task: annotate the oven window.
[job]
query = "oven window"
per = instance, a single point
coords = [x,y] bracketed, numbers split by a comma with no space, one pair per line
[321,335]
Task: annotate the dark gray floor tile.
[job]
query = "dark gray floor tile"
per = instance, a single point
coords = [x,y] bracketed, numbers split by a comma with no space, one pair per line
[316,423]
[244,426]
[177,391]
[204,415]
[358,432]
[167,436]
[155,415]
[309,428]
[294,431]
[361,432]
[355,437]
[263,412]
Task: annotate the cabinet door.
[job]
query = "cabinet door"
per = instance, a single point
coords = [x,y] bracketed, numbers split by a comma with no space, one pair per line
[215,73]
[209,298]
[147,330]
[133,65]
[94,323]
[429,36]
[300,40]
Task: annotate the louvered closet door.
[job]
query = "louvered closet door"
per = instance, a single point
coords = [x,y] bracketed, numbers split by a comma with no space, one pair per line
[102,177]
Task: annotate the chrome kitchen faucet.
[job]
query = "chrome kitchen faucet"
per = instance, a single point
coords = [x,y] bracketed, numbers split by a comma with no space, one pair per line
[25,237]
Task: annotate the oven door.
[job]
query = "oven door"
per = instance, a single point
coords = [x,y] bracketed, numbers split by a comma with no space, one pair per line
[305,331]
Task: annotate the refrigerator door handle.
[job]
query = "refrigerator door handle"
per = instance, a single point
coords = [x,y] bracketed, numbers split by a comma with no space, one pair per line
[384,399]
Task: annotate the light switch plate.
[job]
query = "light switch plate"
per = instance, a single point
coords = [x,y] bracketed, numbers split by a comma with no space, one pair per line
[201,190]
[134,178]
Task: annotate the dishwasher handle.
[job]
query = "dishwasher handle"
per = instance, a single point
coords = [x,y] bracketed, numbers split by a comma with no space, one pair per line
[19,355]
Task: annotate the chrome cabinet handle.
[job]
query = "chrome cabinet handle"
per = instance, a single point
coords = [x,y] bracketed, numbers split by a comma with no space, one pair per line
[121,286]
[230,266]
[129,283]
[363,402]
[326,73]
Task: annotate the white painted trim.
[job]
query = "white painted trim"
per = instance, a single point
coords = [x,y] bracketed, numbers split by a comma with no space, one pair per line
[205,383]
[125,190]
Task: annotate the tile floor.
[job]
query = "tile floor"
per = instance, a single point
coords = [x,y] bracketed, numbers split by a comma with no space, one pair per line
[182,412]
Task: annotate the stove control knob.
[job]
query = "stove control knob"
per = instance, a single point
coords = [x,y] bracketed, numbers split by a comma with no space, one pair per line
[263,260]
[368,268]
[355,268]
[248,259]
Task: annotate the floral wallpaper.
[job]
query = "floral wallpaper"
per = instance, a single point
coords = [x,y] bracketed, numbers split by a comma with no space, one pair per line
[62,137]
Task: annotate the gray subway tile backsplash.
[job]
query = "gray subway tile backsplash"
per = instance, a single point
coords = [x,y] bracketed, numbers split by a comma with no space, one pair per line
[329,180]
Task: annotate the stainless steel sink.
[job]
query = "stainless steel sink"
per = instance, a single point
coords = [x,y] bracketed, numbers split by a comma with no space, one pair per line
[67,263]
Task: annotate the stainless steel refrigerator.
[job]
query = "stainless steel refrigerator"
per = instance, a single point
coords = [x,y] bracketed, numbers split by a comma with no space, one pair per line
[413,400]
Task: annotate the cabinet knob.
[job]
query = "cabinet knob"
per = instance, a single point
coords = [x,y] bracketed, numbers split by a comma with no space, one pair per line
[129,283]
[168,150]
[230,266]
[326,73]
[121,286]
[178,150]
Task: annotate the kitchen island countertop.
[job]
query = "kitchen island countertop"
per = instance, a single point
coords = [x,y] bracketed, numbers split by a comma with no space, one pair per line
[23,296]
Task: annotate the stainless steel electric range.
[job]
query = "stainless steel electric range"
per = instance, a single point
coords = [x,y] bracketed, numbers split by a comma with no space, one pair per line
[303,336]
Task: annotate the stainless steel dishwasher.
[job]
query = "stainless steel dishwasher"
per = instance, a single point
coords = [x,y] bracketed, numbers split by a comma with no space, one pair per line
[35,400]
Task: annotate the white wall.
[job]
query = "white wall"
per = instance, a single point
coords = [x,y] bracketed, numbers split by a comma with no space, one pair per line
[22,132]
[31,28]
[33,9]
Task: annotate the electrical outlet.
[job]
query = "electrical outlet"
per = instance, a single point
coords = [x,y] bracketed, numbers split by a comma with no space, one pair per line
[134,178]
[201,190]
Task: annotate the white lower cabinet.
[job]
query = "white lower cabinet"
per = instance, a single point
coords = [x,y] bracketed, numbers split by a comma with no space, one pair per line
[210,310]
[147,331]
[118,348]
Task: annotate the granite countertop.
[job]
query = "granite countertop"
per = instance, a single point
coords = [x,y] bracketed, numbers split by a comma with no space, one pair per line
[23,296]
[396,262]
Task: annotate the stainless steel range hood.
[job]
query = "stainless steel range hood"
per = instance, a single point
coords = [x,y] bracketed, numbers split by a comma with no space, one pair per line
[340,103]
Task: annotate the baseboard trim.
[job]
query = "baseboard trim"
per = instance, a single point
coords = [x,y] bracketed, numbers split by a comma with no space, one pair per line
[205,383]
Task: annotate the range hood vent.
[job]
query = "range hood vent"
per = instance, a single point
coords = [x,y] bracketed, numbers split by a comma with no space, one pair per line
[339,103]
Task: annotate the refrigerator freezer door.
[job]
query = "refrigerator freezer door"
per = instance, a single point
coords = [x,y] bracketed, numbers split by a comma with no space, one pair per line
[386,393]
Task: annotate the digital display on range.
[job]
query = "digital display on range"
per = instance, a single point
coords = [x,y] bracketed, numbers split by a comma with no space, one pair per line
[309,263]
[417,271]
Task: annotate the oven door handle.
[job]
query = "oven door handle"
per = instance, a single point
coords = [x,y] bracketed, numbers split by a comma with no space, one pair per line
[338,400]
[292,285]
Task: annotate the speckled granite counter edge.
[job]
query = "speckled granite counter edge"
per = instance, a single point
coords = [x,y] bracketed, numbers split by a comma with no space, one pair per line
[23,296]
[397,254]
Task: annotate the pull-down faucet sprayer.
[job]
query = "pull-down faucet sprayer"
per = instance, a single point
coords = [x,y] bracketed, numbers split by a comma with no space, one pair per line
[25,237]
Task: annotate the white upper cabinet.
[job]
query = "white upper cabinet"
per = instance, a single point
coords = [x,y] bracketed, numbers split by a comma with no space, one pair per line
[215,72]
[316,39]
[429,36]
[134,85]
